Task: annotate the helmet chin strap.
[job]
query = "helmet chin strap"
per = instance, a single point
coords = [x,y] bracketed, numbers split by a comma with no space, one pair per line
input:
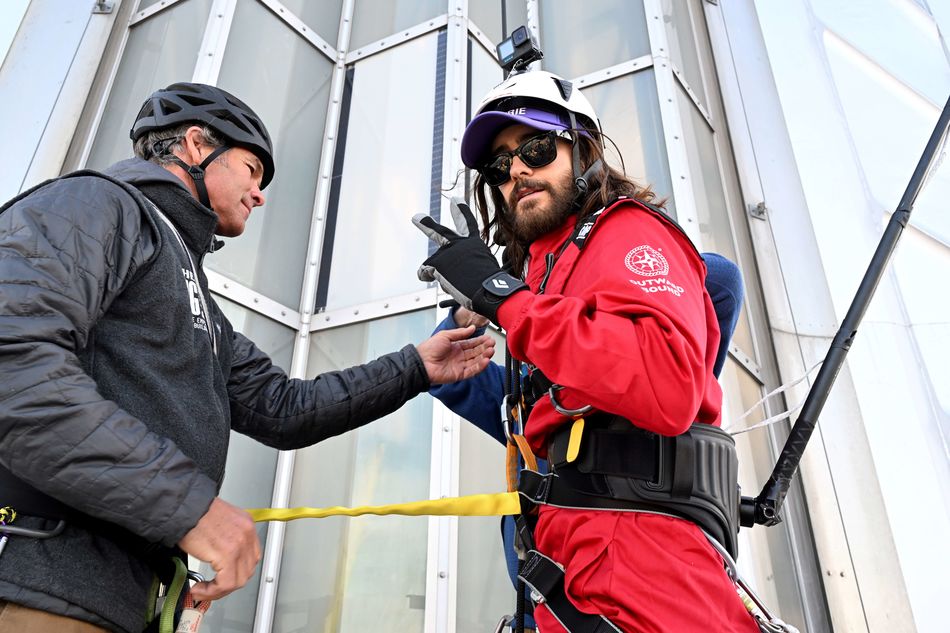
[581,181]
[197,173]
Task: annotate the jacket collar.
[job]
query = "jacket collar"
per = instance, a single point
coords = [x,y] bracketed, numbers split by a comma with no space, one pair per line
[195,222]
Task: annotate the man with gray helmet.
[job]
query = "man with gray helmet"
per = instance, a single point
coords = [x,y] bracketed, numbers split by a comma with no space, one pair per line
[603,300]
[121,379]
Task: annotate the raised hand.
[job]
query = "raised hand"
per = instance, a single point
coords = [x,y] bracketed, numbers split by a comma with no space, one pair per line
[450,355]
[464,265]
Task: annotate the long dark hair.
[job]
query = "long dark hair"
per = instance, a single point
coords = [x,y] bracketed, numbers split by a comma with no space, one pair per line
[605,187]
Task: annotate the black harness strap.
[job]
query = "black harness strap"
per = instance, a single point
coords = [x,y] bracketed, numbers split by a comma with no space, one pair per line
[552,490]
[546,579]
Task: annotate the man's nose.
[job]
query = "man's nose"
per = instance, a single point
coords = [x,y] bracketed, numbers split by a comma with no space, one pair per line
[518,168]
[257,197]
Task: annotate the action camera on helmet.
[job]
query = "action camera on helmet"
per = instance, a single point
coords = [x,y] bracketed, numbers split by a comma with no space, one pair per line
[518,50]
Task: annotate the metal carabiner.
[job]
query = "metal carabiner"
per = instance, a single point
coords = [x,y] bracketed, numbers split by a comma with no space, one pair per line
[571,413]
[511,422]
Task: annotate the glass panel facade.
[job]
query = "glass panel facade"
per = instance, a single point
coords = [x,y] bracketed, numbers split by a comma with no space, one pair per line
[630,116]
[677,17]
[144,4]
[710,197]
[323,17]
[580,37]
[386,176]
[249,475]
[486,74]
[288,85]
[159,52]
[363,574]
[273,338]
[376,19]
[497,18]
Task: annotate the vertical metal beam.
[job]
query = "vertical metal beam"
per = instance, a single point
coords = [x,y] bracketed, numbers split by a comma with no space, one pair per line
[442,558]
[670,115]
[534,25]
[214,42]
[273,547]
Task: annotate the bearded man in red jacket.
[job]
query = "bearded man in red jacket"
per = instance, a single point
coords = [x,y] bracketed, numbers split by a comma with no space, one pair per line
[603,297]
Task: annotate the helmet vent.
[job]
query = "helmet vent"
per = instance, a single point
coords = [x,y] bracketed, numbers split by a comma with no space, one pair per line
[169,106]
[564,86]
[195,100]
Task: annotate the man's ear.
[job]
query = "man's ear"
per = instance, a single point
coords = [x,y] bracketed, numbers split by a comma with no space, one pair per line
[191,145]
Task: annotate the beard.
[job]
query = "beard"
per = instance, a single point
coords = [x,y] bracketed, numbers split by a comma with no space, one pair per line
[531,219]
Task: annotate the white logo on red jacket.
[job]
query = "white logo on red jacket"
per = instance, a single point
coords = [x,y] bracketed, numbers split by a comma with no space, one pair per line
[647,261]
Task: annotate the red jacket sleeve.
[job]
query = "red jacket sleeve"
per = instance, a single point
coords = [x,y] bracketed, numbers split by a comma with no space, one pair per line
[628,334]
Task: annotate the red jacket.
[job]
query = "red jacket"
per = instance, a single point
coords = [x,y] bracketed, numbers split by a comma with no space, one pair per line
[625,324]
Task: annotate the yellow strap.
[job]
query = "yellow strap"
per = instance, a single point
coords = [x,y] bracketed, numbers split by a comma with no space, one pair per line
[497,504]
[574,442]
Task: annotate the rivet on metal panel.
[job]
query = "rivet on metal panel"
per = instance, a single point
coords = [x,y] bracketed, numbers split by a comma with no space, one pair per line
[759,211]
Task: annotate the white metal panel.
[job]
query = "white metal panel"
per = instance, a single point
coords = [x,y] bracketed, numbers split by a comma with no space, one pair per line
[45,79]
[879,426]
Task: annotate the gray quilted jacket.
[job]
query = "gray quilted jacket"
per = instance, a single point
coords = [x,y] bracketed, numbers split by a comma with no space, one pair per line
[112,397]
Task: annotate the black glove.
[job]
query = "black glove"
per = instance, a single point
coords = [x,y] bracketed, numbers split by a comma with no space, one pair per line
[464,266]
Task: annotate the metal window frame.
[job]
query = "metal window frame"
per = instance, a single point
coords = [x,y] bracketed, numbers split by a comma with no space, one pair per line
[442,558]
[145,14]
[298,25]
[214,43]
[283,476]
[385,43]
[251,299]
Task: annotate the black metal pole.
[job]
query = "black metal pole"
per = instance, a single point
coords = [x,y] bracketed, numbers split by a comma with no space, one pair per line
[769,502]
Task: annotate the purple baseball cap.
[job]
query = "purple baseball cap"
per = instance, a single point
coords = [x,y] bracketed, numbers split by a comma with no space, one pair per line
[482,130]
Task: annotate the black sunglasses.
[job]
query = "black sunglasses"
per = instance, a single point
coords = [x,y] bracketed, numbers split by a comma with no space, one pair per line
[537,151]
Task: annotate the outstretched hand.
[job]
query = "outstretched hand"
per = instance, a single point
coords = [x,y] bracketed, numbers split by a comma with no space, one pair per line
[450,355]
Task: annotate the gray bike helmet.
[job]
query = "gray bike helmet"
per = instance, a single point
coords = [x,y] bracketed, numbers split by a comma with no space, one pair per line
[218,109]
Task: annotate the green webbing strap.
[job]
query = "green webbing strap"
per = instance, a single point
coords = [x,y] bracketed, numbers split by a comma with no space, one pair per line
[152,599]
[166,623]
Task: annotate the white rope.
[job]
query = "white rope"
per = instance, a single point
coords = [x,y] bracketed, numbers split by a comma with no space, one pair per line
[775,418]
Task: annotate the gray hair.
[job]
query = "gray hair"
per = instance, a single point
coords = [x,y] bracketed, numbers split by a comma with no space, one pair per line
[158,146]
